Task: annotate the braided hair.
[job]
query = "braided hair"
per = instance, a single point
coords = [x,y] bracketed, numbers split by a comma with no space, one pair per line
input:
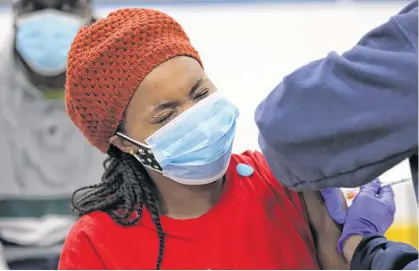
[125,188]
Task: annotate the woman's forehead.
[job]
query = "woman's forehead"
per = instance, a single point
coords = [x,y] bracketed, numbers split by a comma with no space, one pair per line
[169,80]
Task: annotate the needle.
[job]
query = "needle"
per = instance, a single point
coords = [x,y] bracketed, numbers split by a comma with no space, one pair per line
[403,180]
[352,194]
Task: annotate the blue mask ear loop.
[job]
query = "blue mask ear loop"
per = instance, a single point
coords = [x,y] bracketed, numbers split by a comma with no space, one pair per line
[144,150]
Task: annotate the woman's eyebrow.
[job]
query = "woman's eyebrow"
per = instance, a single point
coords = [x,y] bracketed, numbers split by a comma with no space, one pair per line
[173,104]
[196,86]
[166,105]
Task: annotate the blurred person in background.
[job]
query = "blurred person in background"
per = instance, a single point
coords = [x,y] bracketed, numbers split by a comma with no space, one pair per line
[173,196]
[44,157]
[344,120]
[3,264]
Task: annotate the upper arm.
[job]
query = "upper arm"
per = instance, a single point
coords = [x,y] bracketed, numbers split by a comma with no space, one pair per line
[79,253]
[345,119]
[312,219]
[325,232]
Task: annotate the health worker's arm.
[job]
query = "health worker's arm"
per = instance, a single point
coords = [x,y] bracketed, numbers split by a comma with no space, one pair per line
[79,253]
[375,252]
[368,219]
[345,119]
[325,232]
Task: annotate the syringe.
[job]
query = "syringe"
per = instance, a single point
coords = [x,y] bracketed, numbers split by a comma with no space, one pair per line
[350,195]
[403,180]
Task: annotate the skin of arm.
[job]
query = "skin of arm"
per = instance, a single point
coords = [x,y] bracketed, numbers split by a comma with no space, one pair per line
[350,246]
[325,232]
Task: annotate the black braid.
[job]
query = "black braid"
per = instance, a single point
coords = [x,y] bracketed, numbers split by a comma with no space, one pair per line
[125,187]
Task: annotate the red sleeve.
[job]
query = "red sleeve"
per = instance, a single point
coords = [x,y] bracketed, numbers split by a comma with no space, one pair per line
[296,209]
[79,253]
[276,186]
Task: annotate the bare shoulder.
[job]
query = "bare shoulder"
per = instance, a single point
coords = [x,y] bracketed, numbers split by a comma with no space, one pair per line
[311,207]
[325,232]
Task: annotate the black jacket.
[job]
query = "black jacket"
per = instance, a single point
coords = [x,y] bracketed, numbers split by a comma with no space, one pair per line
[375,252]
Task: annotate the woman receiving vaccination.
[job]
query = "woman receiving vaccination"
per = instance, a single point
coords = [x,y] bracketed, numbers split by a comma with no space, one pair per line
[173,196]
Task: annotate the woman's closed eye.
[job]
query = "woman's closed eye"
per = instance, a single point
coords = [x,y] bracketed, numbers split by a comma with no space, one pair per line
[164,116]
[200,94]
[169,114]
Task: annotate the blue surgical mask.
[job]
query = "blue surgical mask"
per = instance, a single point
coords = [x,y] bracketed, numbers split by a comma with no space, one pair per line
[43,39]
[195,147]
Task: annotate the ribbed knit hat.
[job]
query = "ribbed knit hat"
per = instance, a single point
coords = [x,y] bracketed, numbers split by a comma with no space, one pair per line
[109,59]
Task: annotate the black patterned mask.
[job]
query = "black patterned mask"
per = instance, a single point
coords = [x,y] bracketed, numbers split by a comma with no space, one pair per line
[144,154]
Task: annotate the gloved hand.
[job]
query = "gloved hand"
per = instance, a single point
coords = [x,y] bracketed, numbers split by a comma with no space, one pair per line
[334,203]
[372,212]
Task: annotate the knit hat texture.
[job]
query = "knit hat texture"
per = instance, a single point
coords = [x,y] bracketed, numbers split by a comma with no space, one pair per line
[109,59]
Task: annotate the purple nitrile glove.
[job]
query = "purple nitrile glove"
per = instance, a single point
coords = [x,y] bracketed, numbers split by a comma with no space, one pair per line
[334,203]
[372,212]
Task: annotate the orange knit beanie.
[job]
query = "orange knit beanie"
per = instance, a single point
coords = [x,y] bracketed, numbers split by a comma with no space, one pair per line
[109,59]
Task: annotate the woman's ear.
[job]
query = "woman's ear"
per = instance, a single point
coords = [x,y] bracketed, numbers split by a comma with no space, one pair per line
[123,144]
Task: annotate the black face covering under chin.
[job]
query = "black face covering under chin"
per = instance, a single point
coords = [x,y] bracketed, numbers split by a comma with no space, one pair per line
[144,154]
[146,158]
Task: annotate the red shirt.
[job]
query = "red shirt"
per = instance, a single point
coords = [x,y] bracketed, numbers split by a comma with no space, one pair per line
[256,224]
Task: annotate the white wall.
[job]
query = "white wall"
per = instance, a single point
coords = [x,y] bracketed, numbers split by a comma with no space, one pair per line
[248,49]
